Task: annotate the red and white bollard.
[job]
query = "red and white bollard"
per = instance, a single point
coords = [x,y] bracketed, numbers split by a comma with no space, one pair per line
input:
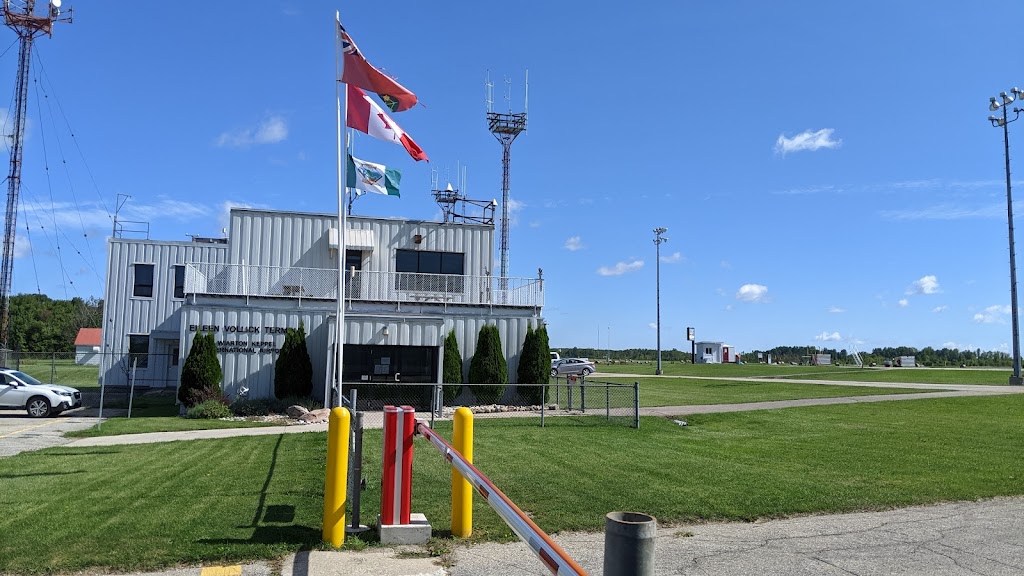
[396,482]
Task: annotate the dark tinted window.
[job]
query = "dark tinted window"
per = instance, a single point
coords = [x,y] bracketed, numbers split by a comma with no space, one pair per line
[138,350]
[179,281]
[406,261]
[143,280]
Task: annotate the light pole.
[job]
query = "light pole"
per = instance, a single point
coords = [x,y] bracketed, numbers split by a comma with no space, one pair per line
[1004,101]
[658,240]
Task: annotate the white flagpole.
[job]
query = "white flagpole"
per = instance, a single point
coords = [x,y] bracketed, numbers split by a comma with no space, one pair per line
[342,221]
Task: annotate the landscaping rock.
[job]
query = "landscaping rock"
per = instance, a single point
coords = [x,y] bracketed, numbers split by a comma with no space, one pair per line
[316,416]
[296,412]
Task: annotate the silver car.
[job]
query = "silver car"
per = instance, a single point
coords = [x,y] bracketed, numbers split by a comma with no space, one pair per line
[19,391]
[574,366]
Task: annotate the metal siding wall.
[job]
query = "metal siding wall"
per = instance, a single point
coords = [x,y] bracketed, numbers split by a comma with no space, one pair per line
[287,239]
[126,315]
[284,239]
[256,370]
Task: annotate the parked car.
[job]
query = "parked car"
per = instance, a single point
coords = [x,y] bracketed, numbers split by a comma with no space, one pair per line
[577,366]
[19,391]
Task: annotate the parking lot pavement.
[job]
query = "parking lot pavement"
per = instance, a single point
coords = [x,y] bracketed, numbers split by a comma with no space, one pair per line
[19,433]
[952,539]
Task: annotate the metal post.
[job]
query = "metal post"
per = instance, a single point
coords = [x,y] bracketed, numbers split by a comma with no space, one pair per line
[543,401]
[607,401]
[658,240]
[583,394]
[629,539]
[131,388]
[1015,379]
[356,472]
[636,405]
[53,365]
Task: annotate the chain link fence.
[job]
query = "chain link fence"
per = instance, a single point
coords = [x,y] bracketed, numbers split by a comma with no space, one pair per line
[580,399]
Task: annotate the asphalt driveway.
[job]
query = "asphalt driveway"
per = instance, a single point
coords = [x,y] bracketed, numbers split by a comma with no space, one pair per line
[19,433]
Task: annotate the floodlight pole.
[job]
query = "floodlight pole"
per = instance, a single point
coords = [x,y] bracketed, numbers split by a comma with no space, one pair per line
[658,240]
[1006,100]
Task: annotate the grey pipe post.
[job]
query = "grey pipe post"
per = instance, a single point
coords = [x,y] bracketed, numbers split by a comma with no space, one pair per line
[583,394]
[543,401]
[607,401]
[636,404]
[629,544]
[357,472]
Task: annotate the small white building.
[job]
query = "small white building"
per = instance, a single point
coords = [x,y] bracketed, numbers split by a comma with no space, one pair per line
[407,284]
[715,352]
[87,346]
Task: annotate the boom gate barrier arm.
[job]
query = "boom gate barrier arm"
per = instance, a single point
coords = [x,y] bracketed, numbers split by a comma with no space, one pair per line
[556,560]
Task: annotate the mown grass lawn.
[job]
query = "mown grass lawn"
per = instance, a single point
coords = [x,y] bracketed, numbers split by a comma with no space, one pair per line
[156,413]
[843,373]
[61,371]
[688,391]
[147,506]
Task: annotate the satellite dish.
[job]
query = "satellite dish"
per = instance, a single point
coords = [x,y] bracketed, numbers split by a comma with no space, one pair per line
[55,3]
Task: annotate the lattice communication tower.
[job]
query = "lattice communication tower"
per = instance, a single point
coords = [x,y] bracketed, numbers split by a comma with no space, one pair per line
[505,127]
[20,17]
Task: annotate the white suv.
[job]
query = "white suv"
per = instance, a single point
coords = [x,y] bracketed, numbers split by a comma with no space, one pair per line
[19,391]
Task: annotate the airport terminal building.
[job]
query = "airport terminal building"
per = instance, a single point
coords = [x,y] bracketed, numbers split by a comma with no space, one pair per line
[408,283]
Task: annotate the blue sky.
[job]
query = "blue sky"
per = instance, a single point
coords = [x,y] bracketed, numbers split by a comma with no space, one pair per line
[825,170]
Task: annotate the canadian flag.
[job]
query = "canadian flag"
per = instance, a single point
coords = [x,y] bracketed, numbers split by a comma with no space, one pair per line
[364,115]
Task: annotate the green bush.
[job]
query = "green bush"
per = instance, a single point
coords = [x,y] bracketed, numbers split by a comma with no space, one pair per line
[210,409]
[488,369]
[201,375]
[452,368]
[293,371]
[534,365]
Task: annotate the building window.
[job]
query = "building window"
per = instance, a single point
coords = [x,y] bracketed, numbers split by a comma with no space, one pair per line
[143,281]
[411,263]
[179,281]
[707,350]
[174,356]
[138,350]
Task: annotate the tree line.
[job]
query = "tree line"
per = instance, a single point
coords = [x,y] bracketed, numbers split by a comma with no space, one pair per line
[926,356]
[40,324]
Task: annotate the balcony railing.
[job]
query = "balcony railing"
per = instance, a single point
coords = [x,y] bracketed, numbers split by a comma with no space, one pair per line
[361,285]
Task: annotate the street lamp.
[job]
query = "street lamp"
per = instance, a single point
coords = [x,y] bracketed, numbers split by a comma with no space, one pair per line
[1004,101]
[658,239]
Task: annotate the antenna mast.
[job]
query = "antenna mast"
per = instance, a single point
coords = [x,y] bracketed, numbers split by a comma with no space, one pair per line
[505,128]
[27,26]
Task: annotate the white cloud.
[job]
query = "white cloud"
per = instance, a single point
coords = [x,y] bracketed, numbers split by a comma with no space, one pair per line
[995,314]
[826,336]
[836,310]
[752,293]
[725,264]
[728,307]
[620,268]
[224,218]
[535,224]
[573,244]
[270,131]
[951,345]
[947,212]
[653,325]
[926,285]
[22,247]
[672,258]
[807,140]
[903,302]
[942,308]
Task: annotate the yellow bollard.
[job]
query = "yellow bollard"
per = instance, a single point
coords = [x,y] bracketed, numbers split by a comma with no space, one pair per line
[462,492]
[335,488]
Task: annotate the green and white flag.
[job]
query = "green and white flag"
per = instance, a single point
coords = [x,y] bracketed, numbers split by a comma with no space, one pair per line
[372,177]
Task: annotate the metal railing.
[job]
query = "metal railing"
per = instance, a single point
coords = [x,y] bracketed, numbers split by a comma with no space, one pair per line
[580,402]
[361,285]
